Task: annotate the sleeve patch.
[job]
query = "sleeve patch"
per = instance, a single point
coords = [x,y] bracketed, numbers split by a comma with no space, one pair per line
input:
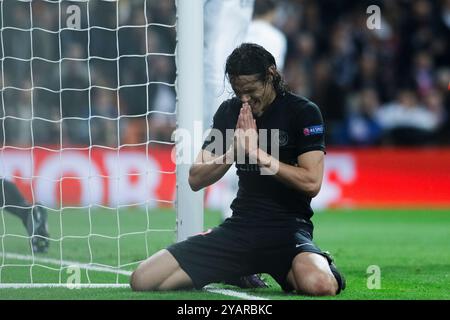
[313,130]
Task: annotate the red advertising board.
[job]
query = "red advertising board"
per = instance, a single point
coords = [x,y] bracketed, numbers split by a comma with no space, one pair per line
[388,178]
[136,176]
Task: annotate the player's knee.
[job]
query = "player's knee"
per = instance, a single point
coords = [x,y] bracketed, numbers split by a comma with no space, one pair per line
[139,283]
[321,284]
[311,281]
[134,283]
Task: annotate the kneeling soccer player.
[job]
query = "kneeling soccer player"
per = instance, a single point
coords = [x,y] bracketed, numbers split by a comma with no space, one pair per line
[270,230]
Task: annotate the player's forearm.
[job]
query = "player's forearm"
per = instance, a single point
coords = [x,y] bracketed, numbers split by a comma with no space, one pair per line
[306,181]
[205,173]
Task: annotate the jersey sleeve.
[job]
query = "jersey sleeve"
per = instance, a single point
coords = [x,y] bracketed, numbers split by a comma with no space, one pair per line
[309,129]
[216,142]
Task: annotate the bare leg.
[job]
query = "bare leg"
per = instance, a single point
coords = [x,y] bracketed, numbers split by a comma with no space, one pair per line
[311,275]
[160,272]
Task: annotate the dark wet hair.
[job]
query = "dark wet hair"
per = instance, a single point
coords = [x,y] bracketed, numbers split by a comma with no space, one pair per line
[253,59]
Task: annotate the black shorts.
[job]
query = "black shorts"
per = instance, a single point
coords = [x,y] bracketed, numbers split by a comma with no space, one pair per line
[232,250]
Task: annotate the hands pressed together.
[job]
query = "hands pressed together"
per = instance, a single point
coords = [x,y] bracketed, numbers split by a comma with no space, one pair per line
[246,134]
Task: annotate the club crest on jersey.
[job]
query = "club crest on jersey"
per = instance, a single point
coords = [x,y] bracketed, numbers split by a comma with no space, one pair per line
[313,130]
[283,138]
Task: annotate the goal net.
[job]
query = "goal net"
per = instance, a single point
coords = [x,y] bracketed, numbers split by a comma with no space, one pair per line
[87,110]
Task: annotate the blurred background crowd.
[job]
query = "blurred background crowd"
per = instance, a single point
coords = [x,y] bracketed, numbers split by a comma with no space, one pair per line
[387,86]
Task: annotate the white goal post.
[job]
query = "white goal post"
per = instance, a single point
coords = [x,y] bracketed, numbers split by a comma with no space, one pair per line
[190,109]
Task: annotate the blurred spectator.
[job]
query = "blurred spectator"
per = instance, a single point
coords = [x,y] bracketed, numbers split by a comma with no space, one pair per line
[361,126]
[434,102]
[445,13]
[75,97]
[162,120]
[342,54]
[306,47]
[443,86]
[423,73]
[406,122]
[103,123]
[368,74]
[18,114]
[330,97]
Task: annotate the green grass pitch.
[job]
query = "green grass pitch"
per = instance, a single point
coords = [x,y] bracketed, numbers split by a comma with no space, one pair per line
[411,248]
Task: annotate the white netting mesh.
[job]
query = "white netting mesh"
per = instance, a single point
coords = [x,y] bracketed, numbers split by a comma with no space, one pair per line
[87,112]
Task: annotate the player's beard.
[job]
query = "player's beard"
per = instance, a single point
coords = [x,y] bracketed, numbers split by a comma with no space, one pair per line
[256,107]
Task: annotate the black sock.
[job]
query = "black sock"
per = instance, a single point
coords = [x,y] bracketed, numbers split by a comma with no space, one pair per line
[13,200]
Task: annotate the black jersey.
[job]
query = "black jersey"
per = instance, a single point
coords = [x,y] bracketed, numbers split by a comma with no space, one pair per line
[300,129]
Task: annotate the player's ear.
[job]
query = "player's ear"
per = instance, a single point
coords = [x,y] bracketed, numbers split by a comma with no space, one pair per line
[271,73]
